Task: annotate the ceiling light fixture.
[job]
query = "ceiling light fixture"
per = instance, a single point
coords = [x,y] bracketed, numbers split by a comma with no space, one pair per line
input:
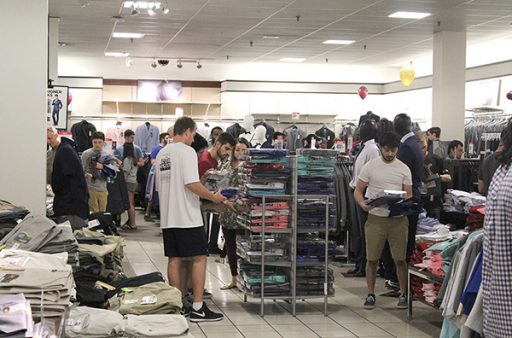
[151,11]
[117,54]
[409,15]
[142,4]
[293,59]
[270,37]
[154,64]
[134,11]
[338,42]
[199,66]
[165,8]
[179,64]
[126,35]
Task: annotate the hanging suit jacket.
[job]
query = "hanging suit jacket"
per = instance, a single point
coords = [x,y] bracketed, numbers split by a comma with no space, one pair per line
[82,134]
[235,130]
[147,137]
[327,134]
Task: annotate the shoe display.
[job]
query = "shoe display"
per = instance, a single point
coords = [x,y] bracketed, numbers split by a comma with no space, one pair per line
[402,302]
[369,303]
[205,315]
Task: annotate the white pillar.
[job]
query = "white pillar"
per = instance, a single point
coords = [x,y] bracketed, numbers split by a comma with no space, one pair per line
[53,48]
[448,84]
[23,65]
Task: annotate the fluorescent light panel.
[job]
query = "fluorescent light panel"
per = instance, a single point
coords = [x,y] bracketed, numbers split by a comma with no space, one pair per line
[142,4]
[293,59]
[117,54]
[409,15]
[339,42]
[270,37]
[126,35]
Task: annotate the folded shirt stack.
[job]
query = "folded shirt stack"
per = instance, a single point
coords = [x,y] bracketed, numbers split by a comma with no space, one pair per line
[40,234]
[316,171]
[461,201]
[249,248]
[251,214]
[311,214]
[9,216]
[427,225]
[311,280]
[15,316]
[313,249]
[45,280]
[276,281]
[475,219]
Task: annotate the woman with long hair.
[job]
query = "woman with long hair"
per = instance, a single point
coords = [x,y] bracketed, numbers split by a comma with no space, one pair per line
[130,175]
[227,218]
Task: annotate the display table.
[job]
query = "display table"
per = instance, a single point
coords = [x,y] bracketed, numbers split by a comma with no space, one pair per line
[412,271]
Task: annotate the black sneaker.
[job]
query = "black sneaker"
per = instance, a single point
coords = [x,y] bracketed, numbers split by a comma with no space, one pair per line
[392,285]
[402,302]
[186,310]
[205,315]
[369,303]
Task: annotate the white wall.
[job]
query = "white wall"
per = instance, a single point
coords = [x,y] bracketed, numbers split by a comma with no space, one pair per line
[23,103]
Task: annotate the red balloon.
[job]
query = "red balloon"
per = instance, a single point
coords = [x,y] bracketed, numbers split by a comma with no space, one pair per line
[363,92]
[509,95]
[70,98]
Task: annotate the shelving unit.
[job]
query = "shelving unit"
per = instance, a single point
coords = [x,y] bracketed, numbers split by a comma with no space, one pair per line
[292,230]
[423,275]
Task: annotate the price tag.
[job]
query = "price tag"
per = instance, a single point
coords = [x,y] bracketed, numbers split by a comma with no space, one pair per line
[148,300]
[471,147]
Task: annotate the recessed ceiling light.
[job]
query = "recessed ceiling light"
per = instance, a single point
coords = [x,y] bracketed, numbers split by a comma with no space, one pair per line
[142,4]
[270,37]
[409,15]
[339,42]
[293,59]
[117,54]
[125,35]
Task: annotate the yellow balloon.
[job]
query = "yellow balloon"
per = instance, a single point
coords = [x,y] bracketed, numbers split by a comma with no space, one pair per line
[407,75]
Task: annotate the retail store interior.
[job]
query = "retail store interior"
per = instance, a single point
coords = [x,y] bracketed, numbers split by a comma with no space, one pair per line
[336,141]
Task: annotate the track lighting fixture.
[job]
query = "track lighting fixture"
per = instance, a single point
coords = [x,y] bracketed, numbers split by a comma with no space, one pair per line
[151,11]
[179,64]
[165,10]
[134,11]
[153,64]
[163,62]
[199,66]
[129,62]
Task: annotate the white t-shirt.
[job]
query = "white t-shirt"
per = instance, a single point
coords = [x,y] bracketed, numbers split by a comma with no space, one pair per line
[175,167]
[382,176]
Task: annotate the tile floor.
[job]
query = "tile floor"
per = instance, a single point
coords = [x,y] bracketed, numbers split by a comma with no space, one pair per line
[346,317]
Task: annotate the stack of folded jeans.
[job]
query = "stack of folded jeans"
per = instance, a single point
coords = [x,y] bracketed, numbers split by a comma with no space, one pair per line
[97,323]
[313,249]
[45,280]
[311,279]
[311,214]
[40,234]
[249,248]
[276,281]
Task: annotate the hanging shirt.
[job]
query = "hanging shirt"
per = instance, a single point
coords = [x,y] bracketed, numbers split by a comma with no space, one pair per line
[326,134]
[176,166]
[369,152]
[116,134]
[497,257]
[147,137]
[294,137]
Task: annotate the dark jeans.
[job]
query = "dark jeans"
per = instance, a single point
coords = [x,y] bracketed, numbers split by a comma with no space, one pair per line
[230,247]
[55,117]
[361,257]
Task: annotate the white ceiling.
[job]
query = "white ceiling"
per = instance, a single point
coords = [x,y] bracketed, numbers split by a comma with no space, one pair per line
[220,28]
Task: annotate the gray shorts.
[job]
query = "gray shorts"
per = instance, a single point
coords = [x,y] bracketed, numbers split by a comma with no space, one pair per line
[132,187]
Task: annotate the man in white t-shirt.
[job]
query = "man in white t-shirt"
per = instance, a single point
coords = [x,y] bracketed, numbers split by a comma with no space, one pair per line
[179,190]
[384,173]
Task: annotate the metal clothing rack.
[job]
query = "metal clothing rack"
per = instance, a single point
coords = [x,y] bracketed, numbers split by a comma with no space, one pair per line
[293,231]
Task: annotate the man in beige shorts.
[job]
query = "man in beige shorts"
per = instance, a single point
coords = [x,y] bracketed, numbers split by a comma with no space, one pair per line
[384,173]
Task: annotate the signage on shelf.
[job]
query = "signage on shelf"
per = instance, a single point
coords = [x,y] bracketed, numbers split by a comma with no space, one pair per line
[295,115]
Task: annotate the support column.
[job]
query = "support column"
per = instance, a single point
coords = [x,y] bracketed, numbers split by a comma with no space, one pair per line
[449,84]
[53,48]
[23,65]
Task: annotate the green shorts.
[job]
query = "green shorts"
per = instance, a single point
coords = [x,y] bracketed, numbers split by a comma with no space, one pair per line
[378,230]
[132,187]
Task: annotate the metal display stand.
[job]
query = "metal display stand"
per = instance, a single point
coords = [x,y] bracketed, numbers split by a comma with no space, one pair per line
[293,230]
[423,275]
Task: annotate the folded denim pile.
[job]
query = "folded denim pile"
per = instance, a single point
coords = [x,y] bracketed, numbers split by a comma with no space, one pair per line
[45,280]
[276,281]
[97,323]
[311,279]
[316,171]
[312,249]
[461,201]
[311,214]
[39,234]
[277,248]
